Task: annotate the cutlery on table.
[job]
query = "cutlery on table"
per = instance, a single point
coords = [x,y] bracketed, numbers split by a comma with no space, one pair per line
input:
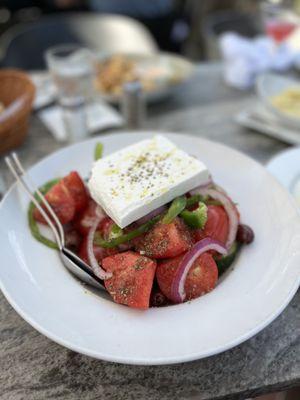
[70,260]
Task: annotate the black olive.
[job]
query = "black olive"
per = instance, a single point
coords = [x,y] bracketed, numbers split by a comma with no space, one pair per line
[244,234]
[158,299]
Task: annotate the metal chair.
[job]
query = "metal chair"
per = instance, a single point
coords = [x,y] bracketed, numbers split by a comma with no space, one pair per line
[24,45]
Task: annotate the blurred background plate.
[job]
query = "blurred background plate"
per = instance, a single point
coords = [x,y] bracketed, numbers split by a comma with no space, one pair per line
[285,166]
[258,118]
[269,86]
[159,74]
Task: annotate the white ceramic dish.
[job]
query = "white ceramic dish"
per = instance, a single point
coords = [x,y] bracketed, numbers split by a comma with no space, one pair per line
[261,284]
[269,85]
[260,119]
[175,70]
[285,166]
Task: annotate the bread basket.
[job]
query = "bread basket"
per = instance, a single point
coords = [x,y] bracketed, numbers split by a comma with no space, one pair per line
[16,94]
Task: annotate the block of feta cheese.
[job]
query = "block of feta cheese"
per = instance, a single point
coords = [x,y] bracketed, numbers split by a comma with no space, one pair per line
[137,179]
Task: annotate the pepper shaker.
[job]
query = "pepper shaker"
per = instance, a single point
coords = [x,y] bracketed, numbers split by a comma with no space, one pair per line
[133,105]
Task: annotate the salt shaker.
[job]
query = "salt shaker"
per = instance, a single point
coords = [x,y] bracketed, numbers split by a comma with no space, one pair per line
[133,105]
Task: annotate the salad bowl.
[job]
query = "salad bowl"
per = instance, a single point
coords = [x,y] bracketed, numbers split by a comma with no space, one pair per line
[248,297]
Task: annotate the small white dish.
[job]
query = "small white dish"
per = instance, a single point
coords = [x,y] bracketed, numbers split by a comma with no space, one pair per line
[285,166]
[260,119]
[269,85]
[262,282]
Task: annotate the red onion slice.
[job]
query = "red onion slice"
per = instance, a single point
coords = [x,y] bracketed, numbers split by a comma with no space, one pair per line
[99,212]
[98,271]
[230,208]
[177,290]
[205,185]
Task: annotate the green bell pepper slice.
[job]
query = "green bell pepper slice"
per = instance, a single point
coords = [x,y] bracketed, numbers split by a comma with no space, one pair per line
[225,262]
[115,232]
[191,201]
[175,209]
[196,218]
[33,225]
[126,237]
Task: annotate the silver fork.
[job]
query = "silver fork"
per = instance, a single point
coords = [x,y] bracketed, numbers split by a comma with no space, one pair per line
[71,261]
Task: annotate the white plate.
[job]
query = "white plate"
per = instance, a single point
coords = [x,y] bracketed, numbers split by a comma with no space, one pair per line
[262,282]
[262,120]
[285,166]
[269,85]
[173,71]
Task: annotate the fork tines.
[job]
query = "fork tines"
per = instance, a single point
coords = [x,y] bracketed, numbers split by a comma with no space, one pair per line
[19,173]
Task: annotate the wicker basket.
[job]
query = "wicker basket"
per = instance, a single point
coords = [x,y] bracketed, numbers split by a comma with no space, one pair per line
[17,94]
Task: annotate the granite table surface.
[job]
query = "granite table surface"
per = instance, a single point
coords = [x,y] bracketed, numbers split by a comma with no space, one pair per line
[35,368]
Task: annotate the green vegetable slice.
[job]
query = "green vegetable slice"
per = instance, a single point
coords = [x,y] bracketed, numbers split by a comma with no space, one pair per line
[33,225]
[98,152]
[126,237]
[212,202]
[115,232]
[196,218]
[175,209]
[191,201]
[225,262]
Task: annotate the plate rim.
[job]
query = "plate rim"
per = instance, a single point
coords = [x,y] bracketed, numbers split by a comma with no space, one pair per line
[155,360]
[288,182]
[281,132]
[291,149]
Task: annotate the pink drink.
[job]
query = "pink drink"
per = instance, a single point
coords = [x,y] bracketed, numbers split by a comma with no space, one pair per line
[279,30]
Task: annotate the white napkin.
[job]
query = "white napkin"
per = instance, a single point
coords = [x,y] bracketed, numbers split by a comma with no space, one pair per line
[99,116]
[245,58]
[45,89]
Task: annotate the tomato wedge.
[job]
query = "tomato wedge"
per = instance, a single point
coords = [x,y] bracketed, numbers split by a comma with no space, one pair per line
[66,198]
[62,203]
[77,189]
[216,227]
[165,240]
[202,277]
[132,278]
[72,238]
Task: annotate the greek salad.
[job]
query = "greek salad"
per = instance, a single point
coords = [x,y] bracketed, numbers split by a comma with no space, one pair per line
[150,222]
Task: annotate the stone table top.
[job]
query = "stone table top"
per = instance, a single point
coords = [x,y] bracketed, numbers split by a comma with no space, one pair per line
[35,368]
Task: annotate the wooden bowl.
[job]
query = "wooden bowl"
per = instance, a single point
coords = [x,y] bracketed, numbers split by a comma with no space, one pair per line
[16,94]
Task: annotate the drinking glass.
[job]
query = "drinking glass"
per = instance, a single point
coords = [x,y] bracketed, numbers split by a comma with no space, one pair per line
[73,71]
[279,19]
